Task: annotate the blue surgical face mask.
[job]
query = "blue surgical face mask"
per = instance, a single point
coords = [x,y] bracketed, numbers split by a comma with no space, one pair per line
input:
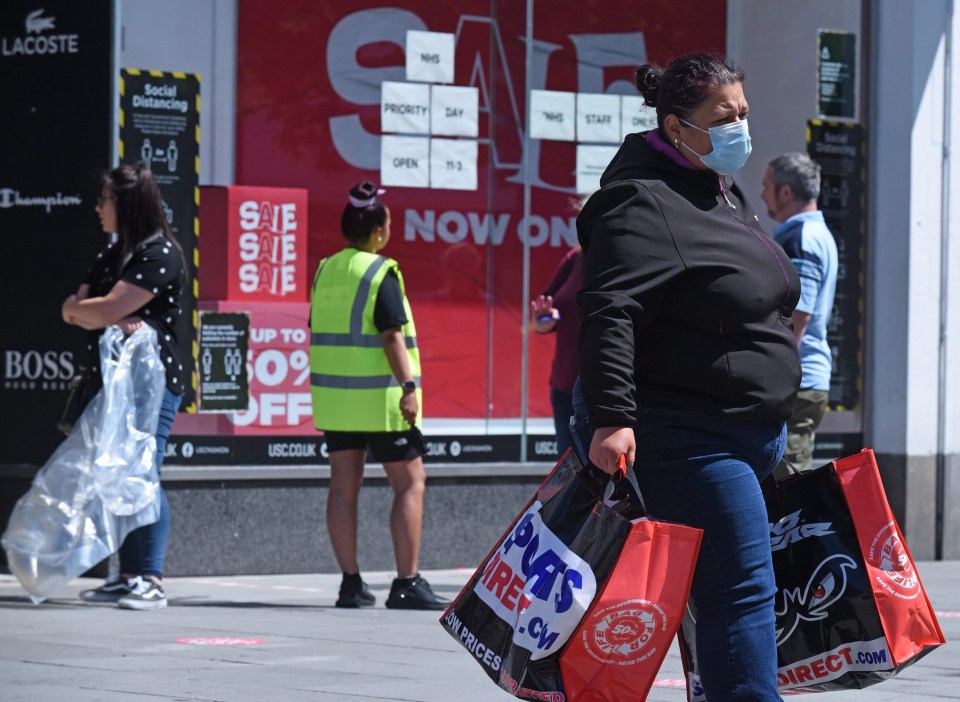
[731,146]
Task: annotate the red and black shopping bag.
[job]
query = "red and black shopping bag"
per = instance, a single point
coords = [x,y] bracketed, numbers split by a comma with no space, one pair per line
[581,597]
[850,608]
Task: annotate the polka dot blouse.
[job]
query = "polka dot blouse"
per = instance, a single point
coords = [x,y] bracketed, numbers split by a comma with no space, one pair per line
[157,268]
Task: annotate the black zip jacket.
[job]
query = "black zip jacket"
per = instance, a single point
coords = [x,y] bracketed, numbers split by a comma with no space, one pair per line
[686,302]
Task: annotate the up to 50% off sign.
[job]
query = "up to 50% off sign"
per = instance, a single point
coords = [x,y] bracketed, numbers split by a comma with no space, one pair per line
[279,379]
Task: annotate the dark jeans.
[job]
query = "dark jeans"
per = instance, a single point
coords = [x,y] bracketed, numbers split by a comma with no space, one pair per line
[144,549]
[580,430]
[562,403]
[706,472]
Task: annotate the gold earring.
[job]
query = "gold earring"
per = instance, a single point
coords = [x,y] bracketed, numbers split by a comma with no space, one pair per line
[676,143]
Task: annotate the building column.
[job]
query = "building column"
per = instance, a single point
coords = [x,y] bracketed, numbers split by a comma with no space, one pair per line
[912,374]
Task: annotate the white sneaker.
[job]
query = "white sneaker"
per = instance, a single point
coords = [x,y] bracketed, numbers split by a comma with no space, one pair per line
[110,591]
[146,594]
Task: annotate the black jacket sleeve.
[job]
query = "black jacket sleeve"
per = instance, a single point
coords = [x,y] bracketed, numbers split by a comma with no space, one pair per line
[629,262]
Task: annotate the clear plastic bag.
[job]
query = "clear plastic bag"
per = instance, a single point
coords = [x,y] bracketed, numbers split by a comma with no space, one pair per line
[101,482]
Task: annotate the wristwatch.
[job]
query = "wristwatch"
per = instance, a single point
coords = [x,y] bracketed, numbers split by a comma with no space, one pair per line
[409,386]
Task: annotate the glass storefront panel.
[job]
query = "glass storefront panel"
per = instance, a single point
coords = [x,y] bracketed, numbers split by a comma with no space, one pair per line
[310,116]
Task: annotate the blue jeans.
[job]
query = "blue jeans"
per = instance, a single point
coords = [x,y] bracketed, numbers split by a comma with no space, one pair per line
[562,403]
[706,472]
[143,550]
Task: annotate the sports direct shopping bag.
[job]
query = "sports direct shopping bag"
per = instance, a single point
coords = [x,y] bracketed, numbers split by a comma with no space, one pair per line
[581,597]
[850,608]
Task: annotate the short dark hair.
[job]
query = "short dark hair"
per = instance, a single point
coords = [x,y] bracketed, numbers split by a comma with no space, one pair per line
[358,223]
[685,83]
[800,172]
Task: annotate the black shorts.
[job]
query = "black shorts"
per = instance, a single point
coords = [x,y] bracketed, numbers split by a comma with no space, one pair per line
[383,446]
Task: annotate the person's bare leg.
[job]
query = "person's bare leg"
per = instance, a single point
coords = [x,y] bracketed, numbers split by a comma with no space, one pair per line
[346,477]
[408,480]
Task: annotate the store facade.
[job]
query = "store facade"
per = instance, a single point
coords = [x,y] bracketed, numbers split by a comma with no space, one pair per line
[293,98]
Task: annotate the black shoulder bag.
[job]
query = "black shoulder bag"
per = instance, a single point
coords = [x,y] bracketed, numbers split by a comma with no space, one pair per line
[83,387]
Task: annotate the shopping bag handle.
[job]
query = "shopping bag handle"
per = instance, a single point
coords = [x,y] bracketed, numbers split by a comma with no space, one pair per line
[624,472]
[786,467]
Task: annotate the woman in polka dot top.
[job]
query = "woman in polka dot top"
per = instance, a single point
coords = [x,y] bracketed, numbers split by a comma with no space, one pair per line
[134,281]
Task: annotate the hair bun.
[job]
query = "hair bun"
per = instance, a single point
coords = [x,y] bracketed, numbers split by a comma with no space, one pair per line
[364,190]
[648,83]
[364,194]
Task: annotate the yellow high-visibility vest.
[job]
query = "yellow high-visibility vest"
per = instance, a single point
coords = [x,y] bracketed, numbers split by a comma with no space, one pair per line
[351,384]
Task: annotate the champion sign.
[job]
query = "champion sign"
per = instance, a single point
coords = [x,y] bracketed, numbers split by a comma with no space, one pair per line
[537,585]
[13,198]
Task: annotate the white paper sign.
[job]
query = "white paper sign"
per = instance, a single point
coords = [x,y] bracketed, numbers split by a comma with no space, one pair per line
[405,108]
[592,161]
[598,118]
[430,56]
[453,164]
[454,111]
[552,115]
[637,117]
[405,161]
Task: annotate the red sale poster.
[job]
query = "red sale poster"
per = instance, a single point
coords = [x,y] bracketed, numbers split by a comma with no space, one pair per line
[309,116]
[254,244]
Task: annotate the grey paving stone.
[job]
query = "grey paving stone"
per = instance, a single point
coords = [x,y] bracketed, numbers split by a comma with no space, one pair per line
[68,650]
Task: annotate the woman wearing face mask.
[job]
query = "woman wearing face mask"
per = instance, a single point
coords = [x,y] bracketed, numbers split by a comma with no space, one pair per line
[687,361]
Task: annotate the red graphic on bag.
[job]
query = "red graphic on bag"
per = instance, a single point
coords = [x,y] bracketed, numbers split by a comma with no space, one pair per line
[630,627]
[888,554]
[620,634]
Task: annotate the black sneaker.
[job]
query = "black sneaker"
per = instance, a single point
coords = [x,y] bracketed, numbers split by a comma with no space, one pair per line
[354,593]
[145,595]
[414,593]
[110,591]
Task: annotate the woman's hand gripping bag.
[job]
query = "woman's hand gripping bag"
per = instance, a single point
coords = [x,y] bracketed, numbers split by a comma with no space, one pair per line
[581,597]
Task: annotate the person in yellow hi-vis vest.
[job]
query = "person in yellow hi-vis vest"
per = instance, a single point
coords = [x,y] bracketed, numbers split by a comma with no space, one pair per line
[365,387]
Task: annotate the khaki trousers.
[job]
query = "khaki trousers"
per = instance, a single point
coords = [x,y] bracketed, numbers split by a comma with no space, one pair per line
[801,432]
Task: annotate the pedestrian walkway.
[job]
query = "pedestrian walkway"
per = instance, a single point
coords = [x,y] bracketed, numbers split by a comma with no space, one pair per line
[278,638]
